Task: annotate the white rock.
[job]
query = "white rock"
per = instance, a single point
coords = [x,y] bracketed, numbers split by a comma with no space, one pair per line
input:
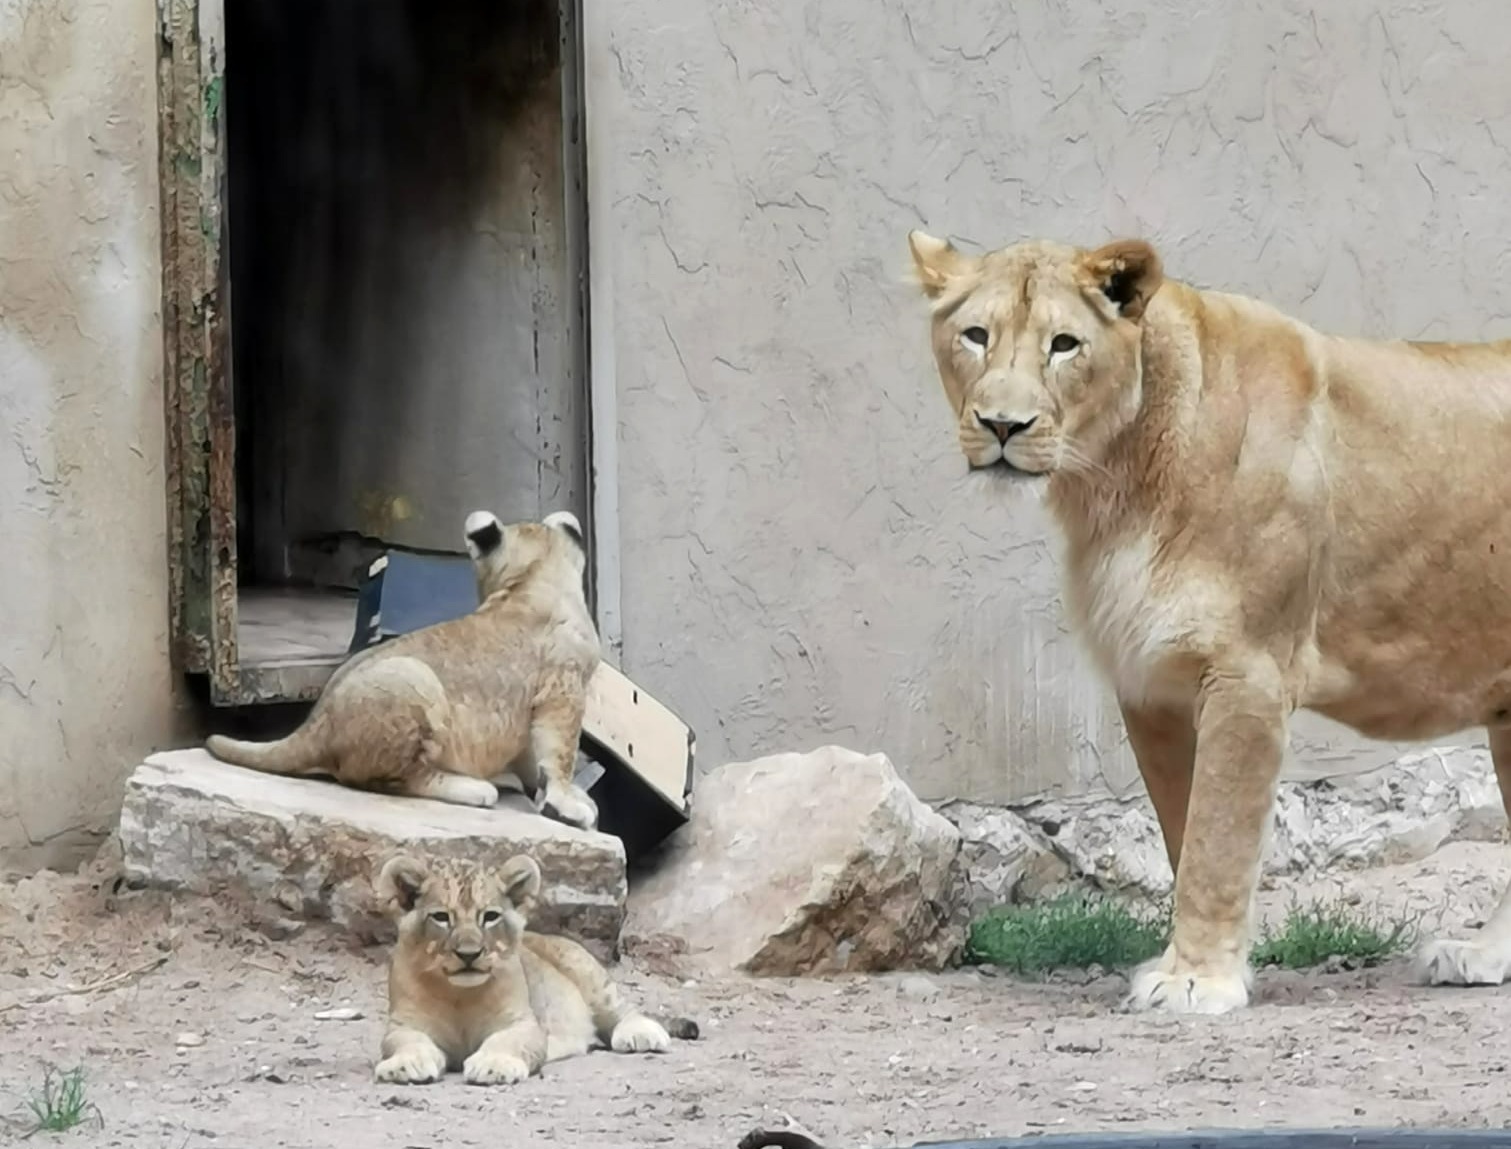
[1398,813]
[1003,859]
[806,863]
[192,823]
[344,1013]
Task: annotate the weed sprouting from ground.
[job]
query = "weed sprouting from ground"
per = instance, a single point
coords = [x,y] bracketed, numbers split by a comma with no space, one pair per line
[60,1102]
[1078,930]
[1315,934]
[1072,931]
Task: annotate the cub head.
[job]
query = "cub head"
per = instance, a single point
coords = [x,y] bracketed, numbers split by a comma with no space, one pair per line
[459,920]
[504,556]
[1038,347]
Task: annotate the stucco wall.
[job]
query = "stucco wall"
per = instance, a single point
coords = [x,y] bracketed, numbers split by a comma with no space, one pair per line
[85,687]
[801,555]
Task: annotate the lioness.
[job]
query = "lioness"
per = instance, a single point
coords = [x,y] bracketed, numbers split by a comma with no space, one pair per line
[469,988]
[1257,517]
[439,712]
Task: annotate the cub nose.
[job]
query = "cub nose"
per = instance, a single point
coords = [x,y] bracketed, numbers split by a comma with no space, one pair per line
[469,955]
[1005,429]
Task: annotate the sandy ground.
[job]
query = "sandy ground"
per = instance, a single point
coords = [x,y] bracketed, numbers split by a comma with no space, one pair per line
[219,1044]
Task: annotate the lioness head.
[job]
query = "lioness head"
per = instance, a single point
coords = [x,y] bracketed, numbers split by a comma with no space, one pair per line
[503,556]
[1038,346]
[459,920]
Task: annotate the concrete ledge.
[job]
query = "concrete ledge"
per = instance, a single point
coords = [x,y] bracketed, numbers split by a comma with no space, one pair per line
[192,823]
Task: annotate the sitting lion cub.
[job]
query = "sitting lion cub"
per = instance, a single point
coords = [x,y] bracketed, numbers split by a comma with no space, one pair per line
[469,988]
[445,710]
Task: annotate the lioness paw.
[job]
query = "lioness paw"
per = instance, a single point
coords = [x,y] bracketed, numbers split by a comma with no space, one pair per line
[1460,963]
[639,1034]
[572,806]
[1163,984]
[486,1068]
[411,1067]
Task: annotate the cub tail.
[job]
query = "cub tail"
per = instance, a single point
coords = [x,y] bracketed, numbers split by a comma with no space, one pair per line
[300,753]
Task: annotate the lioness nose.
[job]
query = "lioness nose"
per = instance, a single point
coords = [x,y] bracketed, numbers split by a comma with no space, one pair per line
[469,955]
[1004,429]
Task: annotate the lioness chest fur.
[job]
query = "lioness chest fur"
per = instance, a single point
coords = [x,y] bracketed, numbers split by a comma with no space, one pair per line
[1258,517]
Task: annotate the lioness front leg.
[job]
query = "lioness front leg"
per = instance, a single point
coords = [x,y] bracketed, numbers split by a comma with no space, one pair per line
[1485,959]
[555,728]
[410,1057]
[1240,746]
[1164,746]
[507,1056]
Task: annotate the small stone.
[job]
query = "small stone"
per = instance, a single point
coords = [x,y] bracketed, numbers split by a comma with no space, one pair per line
[916,985]
[344,1013]
[189,1040]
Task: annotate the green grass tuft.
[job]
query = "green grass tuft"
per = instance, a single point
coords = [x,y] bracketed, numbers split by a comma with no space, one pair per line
[60,1103]
[1075,930]
[1072,931]
[1315,934]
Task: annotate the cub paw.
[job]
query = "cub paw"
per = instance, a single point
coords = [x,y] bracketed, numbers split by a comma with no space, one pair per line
[572,806]
[411,1067]
[639,1034]
[484,1068]
[1459,963]
[1169,985]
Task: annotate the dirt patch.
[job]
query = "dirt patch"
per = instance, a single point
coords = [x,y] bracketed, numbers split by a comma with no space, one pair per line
[858,1061]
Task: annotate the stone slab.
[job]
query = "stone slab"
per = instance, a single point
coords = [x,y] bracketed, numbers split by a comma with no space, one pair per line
[194,824]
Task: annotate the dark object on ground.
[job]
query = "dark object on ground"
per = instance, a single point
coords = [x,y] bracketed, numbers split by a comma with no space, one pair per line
[1252,1139]
[777,1139]
[641,794]
[1210,1139]
[683,1028]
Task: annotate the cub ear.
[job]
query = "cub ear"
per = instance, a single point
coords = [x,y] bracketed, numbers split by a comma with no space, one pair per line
[483,532]
[1128,273]
[400,881]
[520,880]
[566,522]
[935,261]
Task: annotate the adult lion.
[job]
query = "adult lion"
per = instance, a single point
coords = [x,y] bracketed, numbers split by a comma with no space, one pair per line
[1258,517]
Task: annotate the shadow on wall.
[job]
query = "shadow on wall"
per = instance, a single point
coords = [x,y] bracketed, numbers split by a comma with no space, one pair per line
[394,188]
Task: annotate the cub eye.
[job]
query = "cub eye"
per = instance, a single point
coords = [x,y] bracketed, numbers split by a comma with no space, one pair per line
[492,917]
[1062,343]
[976,335]
[440,917]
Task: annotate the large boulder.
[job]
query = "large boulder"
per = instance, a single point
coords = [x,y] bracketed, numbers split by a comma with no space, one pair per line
[804,864]
[195,824]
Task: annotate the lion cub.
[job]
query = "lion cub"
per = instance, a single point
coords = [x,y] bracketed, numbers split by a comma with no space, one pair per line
[443,711]
[469,988]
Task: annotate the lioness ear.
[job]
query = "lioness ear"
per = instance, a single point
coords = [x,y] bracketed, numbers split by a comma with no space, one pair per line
[401,880]
[566,522]
[935,260]
[1128,273]
[520,879]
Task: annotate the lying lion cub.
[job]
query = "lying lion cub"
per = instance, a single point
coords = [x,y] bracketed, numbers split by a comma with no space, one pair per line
[443,711]
[469,988]
[1258,518]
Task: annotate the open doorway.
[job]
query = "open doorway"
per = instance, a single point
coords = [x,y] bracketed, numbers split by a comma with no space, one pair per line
[399,253]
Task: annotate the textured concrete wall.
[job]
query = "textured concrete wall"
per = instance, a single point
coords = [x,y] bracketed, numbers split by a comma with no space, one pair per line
[85,688]
[802,556]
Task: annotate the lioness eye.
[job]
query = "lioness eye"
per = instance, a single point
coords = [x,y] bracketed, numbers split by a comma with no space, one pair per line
[440,917]
[1062,343]
[491,917]
[976,335]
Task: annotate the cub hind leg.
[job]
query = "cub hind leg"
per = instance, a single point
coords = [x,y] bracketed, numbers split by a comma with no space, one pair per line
[1484,959]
